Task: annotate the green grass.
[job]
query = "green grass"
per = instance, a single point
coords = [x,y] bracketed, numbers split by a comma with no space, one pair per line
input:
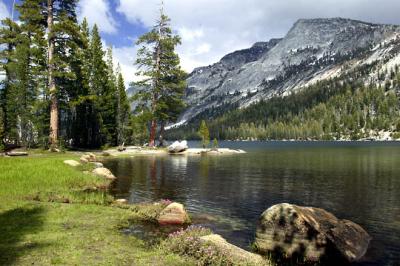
[36,227]
[47,178]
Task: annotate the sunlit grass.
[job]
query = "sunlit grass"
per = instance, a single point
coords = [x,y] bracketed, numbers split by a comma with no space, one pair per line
[47,178]
[50,213]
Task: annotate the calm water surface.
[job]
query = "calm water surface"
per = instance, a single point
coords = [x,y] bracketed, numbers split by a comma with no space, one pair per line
[355,181]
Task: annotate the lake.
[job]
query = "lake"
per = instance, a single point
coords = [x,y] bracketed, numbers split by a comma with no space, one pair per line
[359,181]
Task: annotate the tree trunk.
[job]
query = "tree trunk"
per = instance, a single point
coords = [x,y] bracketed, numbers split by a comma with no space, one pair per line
[153,129]
[52,84]
[162,130]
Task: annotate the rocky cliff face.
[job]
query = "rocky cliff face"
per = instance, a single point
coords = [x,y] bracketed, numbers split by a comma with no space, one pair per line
[313,49]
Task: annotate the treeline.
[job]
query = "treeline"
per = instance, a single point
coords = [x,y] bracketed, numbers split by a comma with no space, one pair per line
[339,108]
[59,83]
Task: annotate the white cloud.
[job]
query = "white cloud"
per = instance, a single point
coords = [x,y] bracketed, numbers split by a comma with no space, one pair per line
[4,12]
[126,57]
[227,25]
[97,12]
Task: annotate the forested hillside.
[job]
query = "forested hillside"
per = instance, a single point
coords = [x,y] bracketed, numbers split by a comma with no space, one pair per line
[346,107]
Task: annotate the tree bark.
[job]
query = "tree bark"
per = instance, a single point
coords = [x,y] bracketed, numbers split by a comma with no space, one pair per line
[52,85]
[153,129]
[162,130]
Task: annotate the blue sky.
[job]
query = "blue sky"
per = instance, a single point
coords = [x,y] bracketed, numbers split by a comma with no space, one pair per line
[212,28]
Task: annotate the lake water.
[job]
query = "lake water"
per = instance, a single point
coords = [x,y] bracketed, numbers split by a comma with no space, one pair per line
[353,180]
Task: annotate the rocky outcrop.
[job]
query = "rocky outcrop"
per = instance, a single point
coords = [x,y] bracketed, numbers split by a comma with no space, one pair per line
[174,213]
[310,233]
[234,253]
[178,146]
[72,163]
[104,172]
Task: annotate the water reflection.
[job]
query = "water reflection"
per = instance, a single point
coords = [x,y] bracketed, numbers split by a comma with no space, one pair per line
[356,181]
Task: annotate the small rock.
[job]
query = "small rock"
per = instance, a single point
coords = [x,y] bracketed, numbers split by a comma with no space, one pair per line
[106,153]
[90,157]
[310,233]
[97,165]
[104,172]
[84,159]
[16,153]
[174,213]
[235,254]
[72,163]
[121,201]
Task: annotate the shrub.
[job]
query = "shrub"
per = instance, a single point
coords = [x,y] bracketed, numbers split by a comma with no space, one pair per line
[188,243]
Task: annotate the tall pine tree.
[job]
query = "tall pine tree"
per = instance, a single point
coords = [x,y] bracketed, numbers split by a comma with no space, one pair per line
[164,81]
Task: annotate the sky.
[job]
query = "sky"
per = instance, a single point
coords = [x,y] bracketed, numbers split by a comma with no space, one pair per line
[212,28]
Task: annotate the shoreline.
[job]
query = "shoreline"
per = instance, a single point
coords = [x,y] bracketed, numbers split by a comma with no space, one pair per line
[135,150]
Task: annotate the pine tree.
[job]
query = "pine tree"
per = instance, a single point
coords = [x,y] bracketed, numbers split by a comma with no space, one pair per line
[123,109]
[99,86]
[204,134]
[80,96]
[110,102]
[63,38]
[9,37]
[164,80]
[31,60]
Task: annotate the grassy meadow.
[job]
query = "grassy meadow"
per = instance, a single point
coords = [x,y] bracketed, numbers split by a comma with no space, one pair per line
[50,214]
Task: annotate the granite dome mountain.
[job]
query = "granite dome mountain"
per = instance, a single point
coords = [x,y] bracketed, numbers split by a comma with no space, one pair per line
[312,50]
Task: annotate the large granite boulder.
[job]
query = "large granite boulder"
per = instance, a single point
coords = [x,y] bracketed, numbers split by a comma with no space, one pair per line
[173,214]
[310,233]
[104,172]
[178,146]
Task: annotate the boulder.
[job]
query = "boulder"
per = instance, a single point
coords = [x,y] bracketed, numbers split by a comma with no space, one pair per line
[309,233]
[72,163]
[178,146]
[174,213]
[89,157]
[106,153]
[84,159]
[97,165]
[104,172]
[235,254]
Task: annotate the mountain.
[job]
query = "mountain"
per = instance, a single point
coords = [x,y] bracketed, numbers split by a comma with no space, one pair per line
[313,50]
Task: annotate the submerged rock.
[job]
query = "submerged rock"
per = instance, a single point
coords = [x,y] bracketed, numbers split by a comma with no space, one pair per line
[233,252]
[309,233]
[72,163]
[104,172]
[178,147]
[174,213]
